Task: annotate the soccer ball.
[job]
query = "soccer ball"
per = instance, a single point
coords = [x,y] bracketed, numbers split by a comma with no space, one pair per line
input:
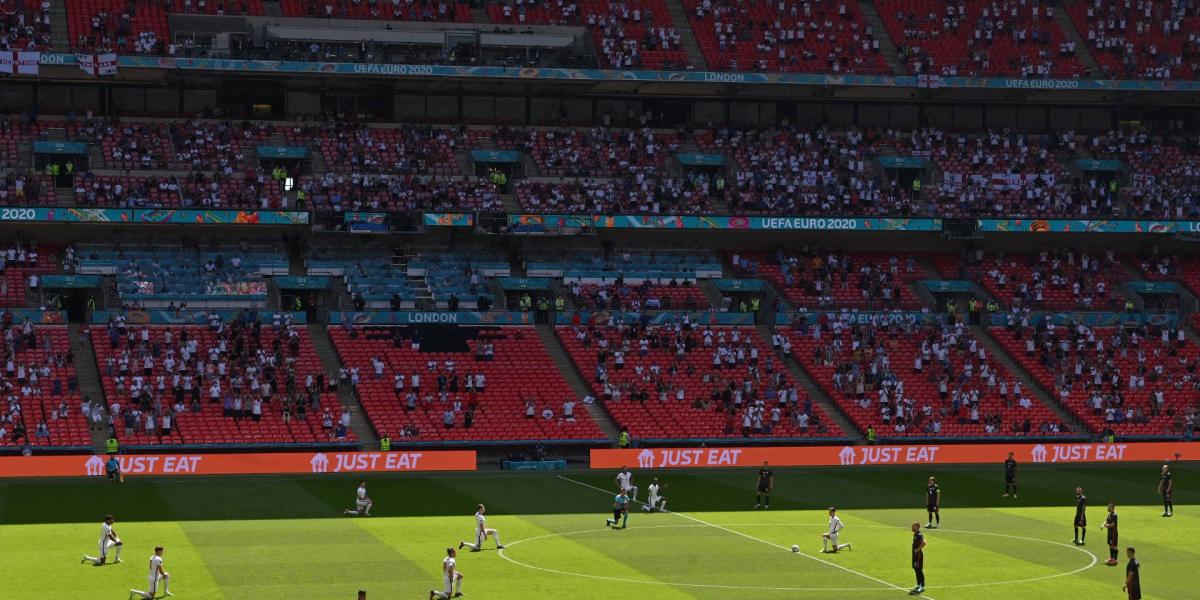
[795,548]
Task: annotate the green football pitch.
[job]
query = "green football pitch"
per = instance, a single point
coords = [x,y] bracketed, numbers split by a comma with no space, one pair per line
[285,538]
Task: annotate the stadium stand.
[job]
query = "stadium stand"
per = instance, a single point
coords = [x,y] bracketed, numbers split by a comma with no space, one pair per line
[125,27]
[171,277]
[213,380]
[978,38]
[908,380]
[1130,380]
[681,381]
[791,36]
[1058,279]
[1140,40]
[811,278]
[393,11]
[19,261]
[42,406]
[26,26]
[498,387]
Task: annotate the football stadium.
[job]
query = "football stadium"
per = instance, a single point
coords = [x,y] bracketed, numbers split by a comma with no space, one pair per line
[336,299]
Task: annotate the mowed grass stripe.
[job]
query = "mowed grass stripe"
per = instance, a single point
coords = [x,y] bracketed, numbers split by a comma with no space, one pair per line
[309,559]
[43,561]
[487,572]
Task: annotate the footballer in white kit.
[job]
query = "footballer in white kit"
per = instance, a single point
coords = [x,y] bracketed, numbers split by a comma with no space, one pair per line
[362,502]
[482,532]
[451,577]
[108,541]
[830,538]
[625,483]
[157,574]
[654,498]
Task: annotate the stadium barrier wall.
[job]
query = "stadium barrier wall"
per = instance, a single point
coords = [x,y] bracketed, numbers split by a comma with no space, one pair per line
[916,454]
[290,463]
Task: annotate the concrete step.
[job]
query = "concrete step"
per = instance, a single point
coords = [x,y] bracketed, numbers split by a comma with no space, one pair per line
[1028,382]
[64,196]
[359,424]
[60,38]
[712,294]
[687,37]
[272,8]
[465,165]
[1082,52]
[575,379]
[88,374]
[886,47]
[511,205]
[810,387]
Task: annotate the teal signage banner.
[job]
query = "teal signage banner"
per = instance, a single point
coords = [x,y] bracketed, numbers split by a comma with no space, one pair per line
[1098,165]
[180,216]
[902,162]
[662,317]
[953,286]
[863,317]
[1085,226]
[68,148]
[524,283]
[1146,288]
[383,317]
[700,160]
[38,317]
[71,281]
[448,219]
[742,78]
[193,317]
[534,222]
[311,282]
[220,217]
[727,284]
[283,152]
[1093,319]
[496,156]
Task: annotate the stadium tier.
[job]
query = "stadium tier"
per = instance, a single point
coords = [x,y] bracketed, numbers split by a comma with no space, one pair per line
[681,382]
[978,38]
[1133,381]
[1140,40]
[42,405]
[225,383]
[469,384]
[909,380]
[792,36]
[814,279]
[1054,280]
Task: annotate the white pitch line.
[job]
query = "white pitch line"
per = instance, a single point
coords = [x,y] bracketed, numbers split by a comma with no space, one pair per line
[761,541]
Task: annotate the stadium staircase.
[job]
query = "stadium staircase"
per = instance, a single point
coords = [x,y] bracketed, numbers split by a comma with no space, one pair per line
[64,196]
[359,424]
[1028,381]
[1082,52]
[272,8]
[711,293]
[88,374]
[886,47]
[60,39]
[575,379]
[814,391]
[687,37]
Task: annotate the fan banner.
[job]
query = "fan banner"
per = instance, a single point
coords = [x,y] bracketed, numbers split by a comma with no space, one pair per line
[97,64]
[20,63]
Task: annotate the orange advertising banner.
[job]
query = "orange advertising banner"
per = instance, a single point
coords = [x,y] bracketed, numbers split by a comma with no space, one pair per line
[240,464]
[931,454]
